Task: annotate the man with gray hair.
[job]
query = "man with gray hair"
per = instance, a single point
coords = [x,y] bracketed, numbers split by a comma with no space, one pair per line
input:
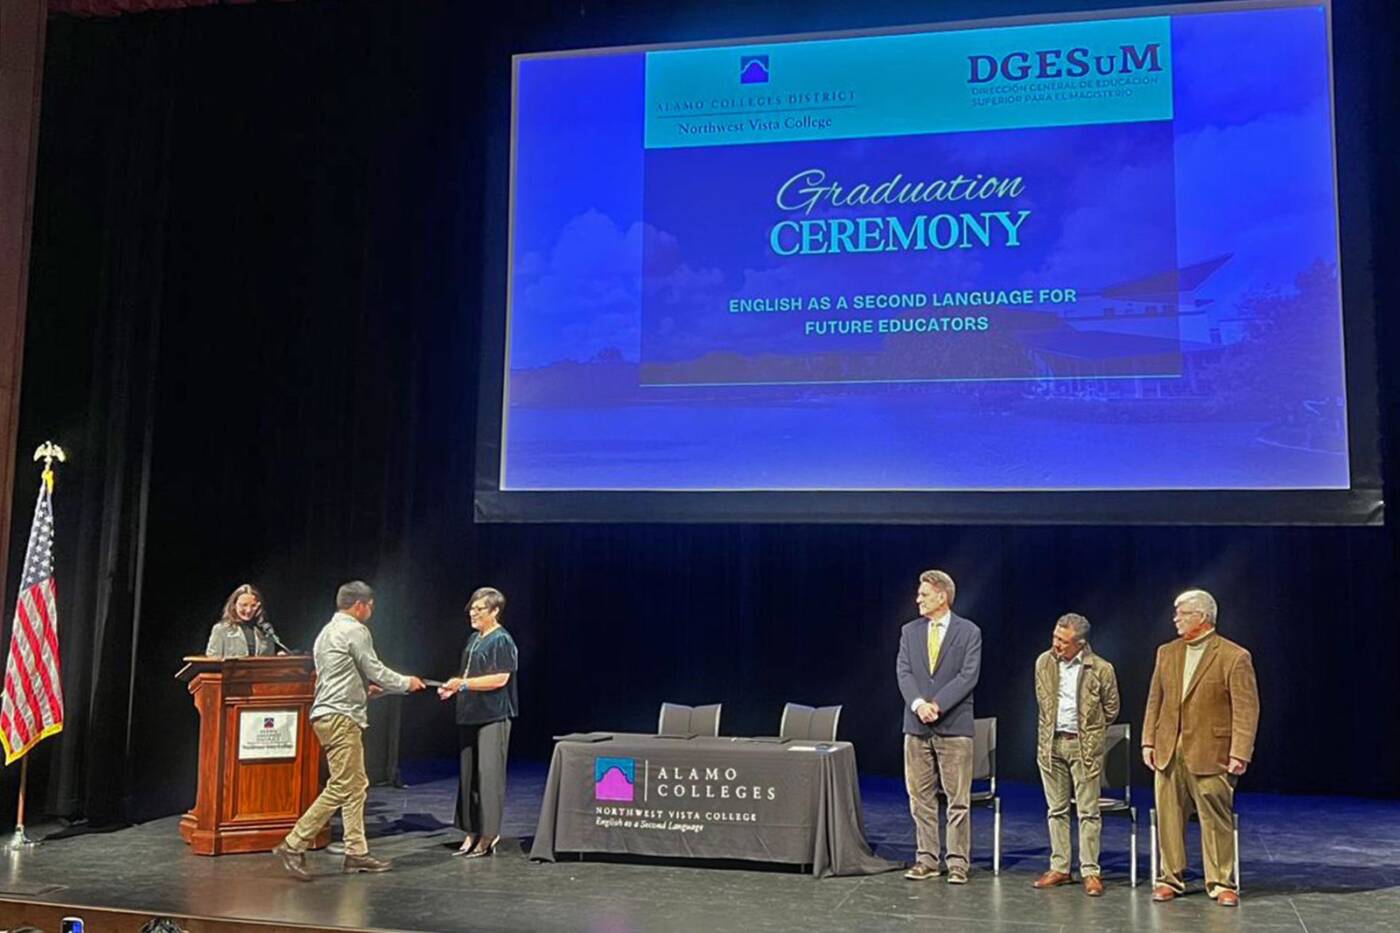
[1198,738]
[1076,694]
[347,673]
[939,662]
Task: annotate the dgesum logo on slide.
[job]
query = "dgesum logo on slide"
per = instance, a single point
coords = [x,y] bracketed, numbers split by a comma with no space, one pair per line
[1078,62]
[615,779]
[753,69]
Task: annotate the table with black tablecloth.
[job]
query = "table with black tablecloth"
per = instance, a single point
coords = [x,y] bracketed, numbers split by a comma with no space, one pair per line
[707,798]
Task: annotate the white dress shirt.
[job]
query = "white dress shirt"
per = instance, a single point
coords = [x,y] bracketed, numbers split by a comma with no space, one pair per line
[941,622]
[1067,712]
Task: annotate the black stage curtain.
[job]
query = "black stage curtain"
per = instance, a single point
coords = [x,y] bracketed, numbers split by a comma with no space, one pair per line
[265,239]
[248,239]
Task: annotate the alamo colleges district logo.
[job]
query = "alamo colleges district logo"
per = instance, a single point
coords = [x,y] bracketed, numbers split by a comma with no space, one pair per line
[615,779]
[753,69]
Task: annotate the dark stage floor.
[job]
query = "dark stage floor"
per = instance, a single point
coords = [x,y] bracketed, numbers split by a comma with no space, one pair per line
[1310,864]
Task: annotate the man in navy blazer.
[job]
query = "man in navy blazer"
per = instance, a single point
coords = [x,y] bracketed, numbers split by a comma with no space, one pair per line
[939,661]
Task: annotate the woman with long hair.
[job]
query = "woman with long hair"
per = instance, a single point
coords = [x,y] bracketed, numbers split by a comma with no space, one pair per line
[242,629]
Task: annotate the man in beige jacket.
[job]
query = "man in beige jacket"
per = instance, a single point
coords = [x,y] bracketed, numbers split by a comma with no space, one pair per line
[1076,693]
[1198,738]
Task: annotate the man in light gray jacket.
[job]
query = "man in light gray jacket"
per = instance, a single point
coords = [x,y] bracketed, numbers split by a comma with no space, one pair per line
[346,671]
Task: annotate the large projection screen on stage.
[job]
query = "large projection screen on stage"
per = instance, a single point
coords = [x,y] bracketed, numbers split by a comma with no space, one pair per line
[1083,268]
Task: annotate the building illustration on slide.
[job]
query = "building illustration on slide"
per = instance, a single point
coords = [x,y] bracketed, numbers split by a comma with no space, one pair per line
[1159,324]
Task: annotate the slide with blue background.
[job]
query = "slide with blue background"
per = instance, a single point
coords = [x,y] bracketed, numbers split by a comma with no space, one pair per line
[1098,254]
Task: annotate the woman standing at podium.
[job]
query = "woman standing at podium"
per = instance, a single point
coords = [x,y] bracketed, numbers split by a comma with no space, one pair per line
[242,630]
[486,696]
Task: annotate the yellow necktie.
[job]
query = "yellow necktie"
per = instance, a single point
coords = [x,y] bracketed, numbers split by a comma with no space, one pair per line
[935,642]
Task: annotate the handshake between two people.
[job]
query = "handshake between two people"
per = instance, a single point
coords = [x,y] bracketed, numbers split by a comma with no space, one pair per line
[446,690]
[415,684]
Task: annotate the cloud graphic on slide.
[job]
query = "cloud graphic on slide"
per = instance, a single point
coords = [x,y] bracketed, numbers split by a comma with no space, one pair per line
[1122,184]
[1274,214]
[585,295]
[581,297]
[1254,44]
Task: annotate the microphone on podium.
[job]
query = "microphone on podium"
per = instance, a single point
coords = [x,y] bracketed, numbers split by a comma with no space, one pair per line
[266,628]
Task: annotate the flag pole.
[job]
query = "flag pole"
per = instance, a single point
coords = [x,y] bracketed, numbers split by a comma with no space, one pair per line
[19,840]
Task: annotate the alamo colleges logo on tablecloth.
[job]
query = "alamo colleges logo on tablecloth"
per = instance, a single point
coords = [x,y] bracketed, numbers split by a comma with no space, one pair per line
[615,779]
[705,795]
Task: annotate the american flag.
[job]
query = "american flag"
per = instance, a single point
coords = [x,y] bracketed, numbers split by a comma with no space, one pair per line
[32,708]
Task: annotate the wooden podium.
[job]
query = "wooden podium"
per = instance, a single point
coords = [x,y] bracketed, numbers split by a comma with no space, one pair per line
[259,760]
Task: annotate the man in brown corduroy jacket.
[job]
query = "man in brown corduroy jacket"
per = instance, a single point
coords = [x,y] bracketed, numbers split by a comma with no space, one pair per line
[1198,738]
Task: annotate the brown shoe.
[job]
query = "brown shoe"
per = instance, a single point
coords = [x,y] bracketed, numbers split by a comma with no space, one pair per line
[1052,879]
[1163,892]
[293,862]
[922,872]
[1093,886]
[1228,898]
[365,863]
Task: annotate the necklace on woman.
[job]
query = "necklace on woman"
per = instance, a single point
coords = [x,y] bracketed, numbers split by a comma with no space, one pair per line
[471,652]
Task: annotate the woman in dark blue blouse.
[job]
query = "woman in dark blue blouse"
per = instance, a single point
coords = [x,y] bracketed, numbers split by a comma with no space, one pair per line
[487,700]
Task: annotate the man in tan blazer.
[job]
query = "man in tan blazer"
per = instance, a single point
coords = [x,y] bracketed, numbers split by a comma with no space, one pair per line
[1198,738]
[1076,693]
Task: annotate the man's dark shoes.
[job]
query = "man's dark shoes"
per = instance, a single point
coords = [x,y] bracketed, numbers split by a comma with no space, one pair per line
[922,872]
[365,863]
[1052,879]
[293,862]
[1163,892]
